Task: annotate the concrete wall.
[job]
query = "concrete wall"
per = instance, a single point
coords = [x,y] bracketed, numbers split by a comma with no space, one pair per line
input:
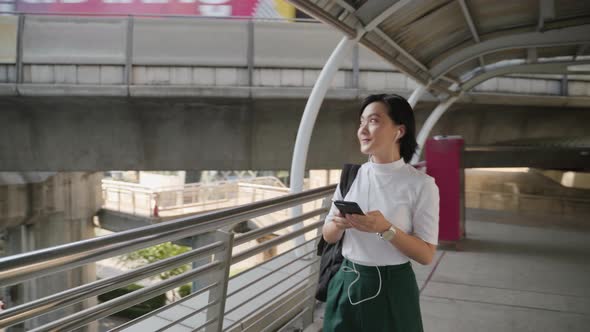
[124,60]
[88,134]
[8,33]
[35,216]
[525,192]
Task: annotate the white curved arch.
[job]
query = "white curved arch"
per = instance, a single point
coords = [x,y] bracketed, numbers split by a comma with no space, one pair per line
[559,37]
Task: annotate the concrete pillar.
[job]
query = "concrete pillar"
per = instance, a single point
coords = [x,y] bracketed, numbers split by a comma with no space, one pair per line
[53,211]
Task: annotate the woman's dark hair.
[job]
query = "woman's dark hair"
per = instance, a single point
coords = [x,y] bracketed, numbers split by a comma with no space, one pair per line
[400,111]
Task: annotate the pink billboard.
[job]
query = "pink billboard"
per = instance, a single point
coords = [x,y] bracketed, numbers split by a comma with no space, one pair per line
[220,8]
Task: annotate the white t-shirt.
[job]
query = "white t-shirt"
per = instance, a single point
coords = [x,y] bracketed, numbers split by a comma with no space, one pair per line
[406,197]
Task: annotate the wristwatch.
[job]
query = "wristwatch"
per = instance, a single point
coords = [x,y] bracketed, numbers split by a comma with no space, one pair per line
[388,234]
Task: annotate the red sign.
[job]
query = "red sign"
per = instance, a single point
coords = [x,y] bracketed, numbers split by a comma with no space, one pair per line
[222,8]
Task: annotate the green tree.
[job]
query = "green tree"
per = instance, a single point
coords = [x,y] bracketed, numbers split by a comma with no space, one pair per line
[156,253]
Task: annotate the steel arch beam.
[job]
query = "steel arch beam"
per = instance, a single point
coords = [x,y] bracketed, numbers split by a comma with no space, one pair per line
[566,36]
[536,68]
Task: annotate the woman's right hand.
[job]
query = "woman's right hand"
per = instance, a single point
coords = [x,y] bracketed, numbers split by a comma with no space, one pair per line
[340,222]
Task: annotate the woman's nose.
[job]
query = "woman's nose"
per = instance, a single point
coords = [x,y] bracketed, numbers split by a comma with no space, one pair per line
[362,127]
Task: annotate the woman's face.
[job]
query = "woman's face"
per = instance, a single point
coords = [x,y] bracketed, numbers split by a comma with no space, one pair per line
[377,131]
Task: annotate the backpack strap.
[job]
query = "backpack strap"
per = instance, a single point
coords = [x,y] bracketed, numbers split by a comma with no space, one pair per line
[349,172]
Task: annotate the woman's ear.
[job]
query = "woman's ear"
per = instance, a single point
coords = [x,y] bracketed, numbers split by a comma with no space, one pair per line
[401,131]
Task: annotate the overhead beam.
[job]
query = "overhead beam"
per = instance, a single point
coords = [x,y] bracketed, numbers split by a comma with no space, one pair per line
[506,98]
[566,36]
[368,10]
[526,156]
[366,14]
[564,86]
[384,14]
[469,20]
[546,11]
[535,68]
[531,55]
[384,10]
[317,12]
[400,49]
[471,25]
[389,57]
[345,5]
[581,50]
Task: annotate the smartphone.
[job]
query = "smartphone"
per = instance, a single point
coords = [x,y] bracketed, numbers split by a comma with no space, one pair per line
[347,207]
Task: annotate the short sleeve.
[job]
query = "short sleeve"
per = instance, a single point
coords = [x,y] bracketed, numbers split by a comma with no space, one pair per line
[426,212]
[333,210]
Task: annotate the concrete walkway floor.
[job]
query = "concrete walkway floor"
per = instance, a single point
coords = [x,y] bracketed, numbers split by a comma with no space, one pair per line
[508,277]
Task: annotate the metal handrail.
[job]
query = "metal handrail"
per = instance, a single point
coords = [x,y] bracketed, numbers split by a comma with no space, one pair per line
[136,187]
[42,262]
[74,295]
[139,319]
[105,309]
[247,254]
[277,269]
[283,279]
[266,274]
[550,197]
[142,200]
[288,289]
[38,263]
[243,238]
[166,307]
[305,299]
[269,244]
[185,317]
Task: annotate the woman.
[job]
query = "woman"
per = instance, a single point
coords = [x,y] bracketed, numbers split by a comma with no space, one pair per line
[375,288]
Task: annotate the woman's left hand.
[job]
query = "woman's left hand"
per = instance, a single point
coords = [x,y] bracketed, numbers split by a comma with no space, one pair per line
[373,222]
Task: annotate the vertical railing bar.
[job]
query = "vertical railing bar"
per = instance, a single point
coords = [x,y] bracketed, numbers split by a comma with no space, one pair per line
[19,48]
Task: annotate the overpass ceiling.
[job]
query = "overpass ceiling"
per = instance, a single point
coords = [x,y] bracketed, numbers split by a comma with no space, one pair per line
[450,43]
[550,142]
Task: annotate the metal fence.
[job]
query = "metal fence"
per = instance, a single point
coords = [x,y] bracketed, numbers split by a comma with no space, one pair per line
[145,201]
[294,302]
[562,205]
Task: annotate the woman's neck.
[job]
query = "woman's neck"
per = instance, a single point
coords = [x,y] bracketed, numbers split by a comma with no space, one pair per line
[385,158]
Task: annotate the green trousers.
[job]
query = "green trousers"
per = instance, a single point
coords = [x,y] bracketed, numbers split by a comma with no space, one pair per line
[396,308]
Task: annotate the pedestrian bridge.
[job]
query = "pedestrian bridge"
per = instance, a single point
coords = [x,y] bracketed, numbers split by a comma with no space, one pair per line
[509,273]
[48,55]
[512,272]
[123,100]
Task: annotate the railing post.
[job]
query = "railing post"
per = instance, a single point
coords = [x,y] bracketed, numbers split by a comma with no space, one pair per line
[129,52]
[196,243]
[133,201]
[19,48]
[250,54]
[222,275]
[355,67]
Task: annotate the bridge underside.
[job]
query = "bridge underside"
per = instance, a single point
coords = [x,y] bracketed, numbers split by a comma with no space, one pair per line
[117,133]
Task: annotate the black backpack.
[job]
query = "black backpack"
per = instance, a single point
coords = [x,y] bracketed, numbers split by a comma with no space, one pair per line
[332,252]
